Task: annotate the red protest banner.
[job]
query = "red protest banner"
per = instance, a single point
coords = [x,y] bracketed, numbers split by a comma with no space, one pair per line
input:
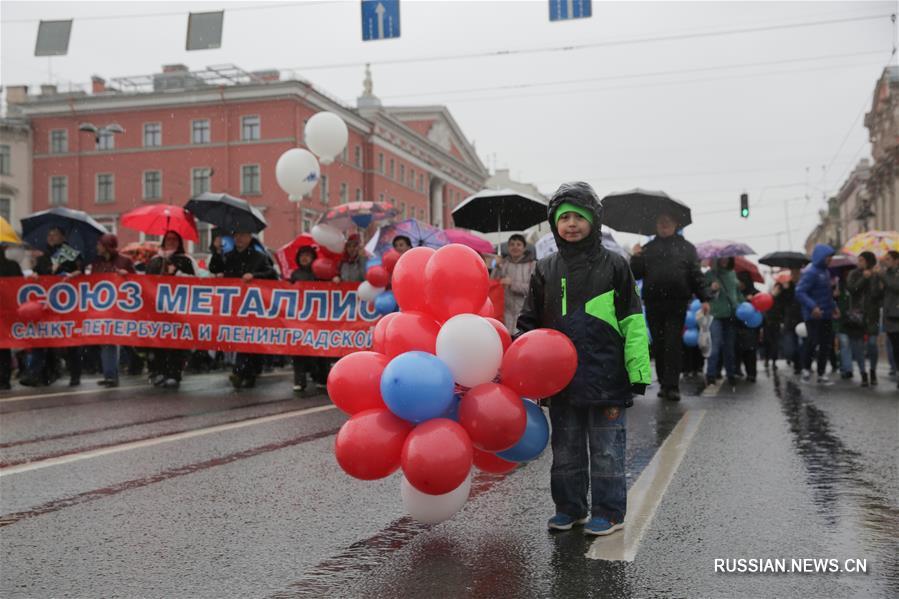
[266,317]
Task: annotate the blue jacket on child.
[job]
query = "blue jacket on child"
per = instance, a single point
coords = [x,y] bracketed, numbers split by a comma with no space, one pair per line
[814,289]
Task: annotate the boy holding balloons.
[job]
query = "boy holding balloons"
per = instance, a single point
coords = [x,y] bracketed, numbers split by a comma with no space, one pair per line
[589,294]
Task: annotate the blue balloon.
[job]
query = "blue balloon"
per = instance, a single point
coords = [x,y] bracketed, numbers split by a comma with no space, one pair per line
[417,386]
[385,303]
[695,305]
[691,338]
[745,310]
[534,439]
[690,320]
[754,321]
[227,243]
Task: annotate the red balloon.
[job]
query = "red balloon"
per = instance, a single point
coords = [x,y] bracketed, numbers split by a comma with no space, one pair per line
[539,364]
[378,276]
[379,335]
[354,383]
[31,310]
[487,310]
[490,462]
[437,456]
[389,259]
[503,332]
[493,415]
[763,301]
[408,281]
[370,444]
[411,331]
[324,269]
[456,281]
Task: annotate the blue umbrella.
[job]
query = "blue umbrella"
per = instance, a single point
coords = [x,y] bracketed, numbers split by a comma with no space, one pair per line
[82,232]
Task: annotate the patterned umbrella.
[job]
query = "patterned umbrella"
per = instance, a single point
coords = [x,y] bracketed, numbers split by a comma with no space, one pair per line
[140,251]
[876,242]
[358,214]
[721,248]
[419,234]
[476,243]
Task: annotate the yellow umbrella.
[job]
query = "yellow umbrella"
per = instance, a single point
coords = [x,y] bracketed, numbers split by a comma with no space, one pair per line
[876,242]
[7,235]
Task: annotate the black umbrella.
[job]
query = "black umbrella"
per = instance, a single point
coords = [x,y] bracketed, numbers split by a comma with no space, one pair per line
[496,210]
[226,212]
[81,231]
[785,259]
[637,210]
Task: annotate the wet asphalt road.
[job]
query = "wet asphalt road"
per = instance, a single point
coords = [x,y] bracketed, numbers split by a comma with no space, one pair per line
[208,492]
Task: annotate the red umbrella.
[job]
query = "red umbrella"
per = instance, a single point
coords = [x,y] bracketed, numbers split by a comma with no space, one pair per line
[741,264]
[470,239]
[156,219]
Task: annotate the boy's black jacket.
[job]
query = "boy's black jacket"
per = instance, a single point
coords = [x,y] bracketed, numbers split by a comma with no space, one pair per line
[589,294]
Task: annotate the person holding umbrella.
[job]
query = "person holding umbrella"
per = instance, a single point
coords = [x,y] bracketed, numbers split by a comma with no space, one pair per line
[352,266]
[402,244]
[59,258]
[862,319]
[109,260]
[785,315]
[170,261]
[247,263]
[815,294]
[671,276]
[721,279]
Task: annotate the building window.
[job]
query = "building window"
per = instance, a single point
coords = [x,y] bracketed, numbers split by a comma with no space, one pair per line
[249,179]
[345,153]
[105,188]
[59,191]
[152,135]
[204,237]
[403,173]
[199,180]
[358,195]
[421,183]
[200,132]
[357,156]
[5,165]
[59,141]
[6,209]
[250,128]
[381,163]
[324,188]
[109,223]
[403,210]
[344,193]
[392,171]
[412,177]
[308,218]
[105,140]
[152,185]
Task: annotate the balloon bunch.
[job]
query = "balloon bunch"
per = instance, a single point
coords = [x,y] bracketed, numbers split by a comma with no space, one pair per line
[377,279]
[331,242]
[297,170]
[691,324]
[751,317]
[443,389]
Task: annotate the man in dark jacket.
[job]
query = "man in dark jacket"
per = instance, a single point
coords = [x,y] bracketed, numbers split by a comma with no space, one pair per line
[862,320]
[63,260]
[8,268]
[787,313]
[670,271]
[588,293]
[109,260]
[815,295]
[247,263]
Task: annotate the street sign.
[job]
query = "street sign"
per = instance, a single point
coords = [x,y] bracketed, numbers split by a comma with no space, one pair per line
[380,19]
[563,10]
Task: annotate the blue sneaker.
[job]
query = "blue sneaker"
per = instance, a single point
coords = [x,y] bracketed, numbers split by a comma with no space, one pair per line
[565,522]
[599,526]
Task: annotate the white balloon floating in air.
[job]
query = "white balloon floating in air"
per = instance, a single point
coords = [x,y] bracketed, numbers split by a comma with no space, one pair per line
[326,135]
[297,172]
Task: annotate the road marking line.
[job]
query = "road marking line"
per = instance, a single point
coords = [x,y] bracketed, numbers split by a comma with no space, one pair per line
[712,390]
[37,465]
[647,493]
[145,385]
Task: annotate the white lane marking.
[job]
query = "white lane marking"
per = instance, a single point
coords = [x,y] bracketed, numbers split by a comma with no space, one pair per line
[712,390]
[145,385]
[85,455]
[647,493]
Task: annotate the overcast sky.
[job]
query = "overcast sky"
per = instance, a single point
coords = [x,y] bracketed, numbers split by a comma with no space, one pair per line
[698,116]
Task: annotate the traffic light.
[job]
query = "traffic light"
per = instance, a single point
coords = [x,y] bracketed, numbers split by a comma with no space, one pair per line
[744,205]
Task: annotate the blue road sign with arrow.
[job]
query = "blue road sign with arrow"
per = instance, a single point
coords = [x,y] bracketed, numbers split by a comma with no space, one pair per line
[380,19]
[563,10]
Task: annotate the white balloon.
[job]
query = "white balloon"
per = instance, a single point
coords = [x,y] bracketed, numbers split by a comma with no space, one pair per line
[471,348]
[367,292]
[297,172]
[801,331]
[433,509]
[329,237]
[326,135]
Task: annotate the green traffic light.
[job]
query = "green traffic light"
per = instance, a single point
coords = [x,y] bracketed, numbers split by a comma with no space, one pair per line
[744,212]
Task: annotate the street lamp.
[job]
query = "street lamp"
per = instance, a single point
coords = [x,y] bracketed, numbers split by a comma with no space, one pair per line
[99,131]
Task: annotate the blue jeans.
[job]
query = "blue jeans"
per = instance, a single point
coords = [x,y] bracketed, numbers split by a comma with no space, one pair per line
[109,360]
[724,341]
[846,354]
[859,347]
[603,430]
